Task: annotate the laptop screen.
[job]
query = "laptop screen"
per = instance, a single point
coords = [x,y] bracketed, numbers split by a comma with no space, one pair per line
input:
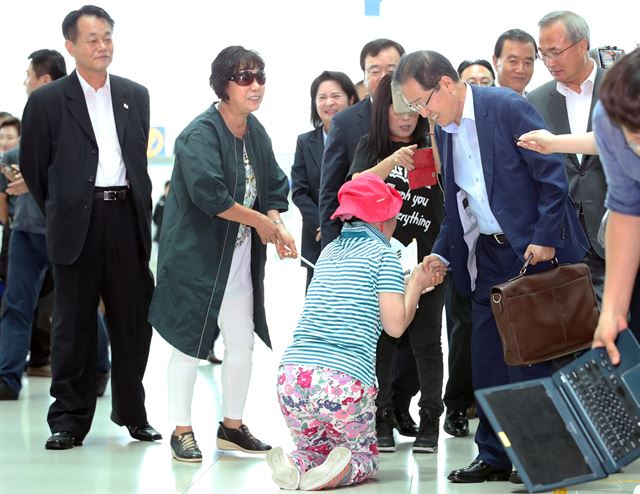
[547,450]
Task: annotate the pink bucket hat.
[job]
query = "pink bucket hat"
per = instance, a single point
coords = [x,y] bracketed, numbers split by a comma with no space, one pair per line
[368,198]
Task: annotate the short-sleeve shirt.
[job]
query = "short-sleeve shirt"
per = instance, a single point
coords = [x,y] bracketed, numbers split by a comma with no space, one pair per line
[621,165]
[340,323]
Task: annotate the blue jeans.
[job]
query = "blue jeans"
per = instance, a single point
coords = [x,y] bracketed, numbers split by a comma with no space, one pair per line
[28,263]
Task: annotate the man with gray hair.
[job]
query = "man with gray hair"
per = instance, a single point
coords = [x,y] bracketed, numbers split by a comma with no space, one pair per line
[566,104]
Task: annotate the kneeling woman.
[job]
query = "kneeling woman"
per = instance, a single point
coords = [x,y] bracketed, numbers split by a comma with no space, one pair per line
[326,379]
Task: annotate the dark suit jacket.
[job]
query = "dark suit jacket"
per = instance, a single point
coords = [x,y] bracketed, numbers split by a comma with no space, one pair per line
[59,159]
[527,191]
[305,180]
[587,183]
[347,127]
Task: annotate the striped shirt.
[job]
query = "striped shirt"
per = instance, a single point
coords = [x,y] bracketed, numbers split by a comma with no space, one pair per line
[340,323]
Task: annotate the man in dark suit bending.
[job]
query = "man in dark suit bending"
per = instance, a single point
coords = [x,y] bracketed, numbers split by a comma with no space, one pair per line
[502,205]
[83,157]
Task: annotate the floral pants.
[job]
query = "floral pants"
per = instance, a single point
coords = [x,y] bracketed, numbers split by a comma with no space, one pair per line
[324,409]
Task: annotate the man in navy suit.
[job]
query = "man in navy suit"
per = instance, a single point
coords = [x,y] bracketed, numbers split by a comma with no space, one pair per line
[83,157]
[502,205]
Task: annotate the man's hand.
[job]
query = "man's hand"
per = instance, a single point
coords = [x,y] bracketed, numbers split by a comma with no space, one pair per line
[606,333]
[17,187]
[434,270]
[539,253]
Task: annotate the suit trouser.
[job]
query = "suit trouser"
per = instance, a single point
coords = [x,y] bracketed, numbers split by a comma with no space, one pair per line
[41,327]
[424,367]
[458,394]
[112,264]
[496,264]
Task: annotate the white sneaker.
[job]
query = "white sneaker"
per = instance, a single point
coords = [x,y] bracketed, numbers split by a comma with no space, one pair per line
[334,472]
[283,472]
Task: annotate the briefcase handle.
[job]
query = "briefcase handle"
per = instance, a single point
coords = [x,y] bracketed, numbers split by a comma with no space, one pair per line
[524,267]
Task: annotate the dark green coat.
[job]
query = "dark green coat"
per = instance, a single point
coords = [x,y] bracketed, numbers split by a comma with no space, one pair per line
[196,246]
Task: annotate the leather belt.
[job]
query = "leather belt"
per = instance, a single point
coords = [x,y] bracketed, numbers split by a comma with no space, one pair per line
[110,195]
[500,238]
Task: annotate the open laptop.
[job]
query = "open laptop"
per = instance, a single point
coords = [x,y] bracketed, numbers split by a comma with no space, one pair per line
[581,424]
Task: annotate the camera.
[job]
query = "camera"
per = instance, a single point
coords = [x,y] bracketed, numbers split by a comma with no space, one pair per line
[607,55]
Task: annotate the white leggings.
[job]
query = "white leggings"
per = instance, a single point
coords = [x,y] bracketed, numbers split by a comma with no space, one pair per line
[236,326]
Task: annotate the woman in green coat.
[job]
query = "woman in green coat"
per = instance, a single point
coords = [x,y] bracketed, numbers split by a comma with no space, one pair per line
[227,192]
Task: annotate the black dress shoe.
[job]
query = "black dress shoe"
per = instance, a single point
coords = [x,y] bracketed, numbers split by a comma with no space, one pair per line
[456,423]
[406,425]
[143,432]
[515,478]
[478,471]
[62,440]
[6,393]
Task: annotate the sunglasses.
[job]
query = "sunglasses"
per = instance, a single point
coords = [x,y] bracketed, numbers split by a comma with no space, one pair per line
[246,77]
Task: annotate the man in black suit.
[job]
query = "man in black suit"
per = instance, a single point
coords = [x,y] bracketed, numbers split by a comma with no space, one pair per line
[83,157]
[395,366]
[566,105]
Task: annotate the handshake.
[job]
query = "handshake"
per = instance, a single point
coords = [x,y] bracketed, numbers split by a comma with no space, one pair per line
[428,274]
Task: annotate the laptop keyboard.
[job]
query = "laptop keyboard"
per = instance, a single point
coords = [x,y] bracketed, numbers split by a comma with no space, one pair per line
[608,404]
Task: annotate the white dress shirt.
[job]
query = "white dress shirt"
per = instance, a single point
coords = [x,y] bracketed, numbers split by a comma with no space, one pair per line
[579,104]
[111,170]
[467,167]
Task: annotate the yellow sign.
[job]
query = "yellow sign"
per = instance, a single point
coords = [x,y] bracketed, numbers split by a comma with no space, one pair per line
[156,142]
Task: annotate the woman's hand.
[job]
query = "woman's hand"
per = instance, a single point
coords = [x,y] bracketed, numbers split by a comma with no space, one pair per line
[266,229]
[285,244]
[606,333]
[404,157]
[541,141]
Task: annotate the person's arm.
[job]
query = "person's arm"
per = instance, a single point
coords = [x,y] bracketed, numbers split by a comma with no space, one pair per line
[396,309]
[4,209]
[35,149]
[623,261]
[545,142]
[278,203]
[401,157]
[264,226]
[550,178]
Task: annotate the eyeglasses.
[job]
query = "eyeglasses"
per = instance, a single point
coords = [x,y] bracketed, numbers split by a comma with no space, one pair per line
[417,107]
[246,78]
[377,71]
[555,54]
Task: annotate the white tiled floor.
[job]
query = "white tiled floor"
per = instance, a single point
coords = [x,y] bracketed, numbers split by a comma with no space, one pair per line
[110,462]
